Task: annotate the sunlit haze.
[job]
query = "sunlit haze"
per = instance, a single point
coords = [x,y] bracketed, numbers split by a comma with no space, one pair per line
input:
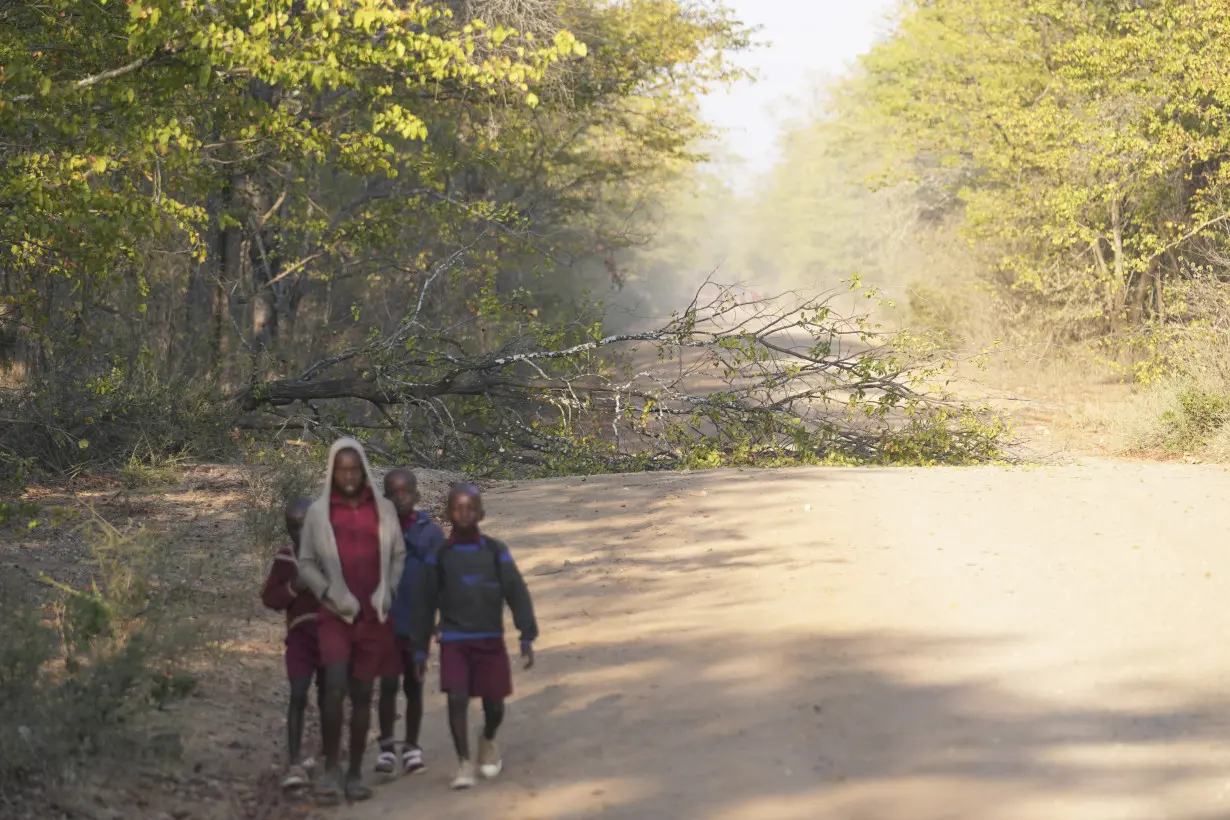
[806,40]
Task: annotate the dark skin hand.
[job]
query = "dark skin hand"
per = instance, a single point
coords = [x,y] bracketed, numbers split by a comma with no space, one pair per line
[349,477]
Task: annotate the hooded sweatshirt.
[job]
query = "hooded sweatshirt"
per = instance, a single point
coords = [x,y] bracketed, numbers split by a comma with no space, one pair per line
[423,539]
[320,566]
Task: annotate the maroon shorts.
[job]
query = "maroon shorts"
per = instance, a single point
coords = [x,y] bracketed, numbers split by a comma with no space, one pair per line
[479,667]
[366,645]
[398,661]
[302,651]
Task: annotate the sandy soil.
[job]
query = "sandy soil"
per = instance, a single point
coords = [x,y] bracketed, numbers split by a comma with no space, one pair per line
[990,644]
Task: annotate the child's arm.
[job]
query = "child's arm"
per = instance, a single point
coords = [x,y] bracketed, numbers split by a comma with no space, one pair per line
[311,574]
[397,560]
[423,618]
[279,593]
[517,594]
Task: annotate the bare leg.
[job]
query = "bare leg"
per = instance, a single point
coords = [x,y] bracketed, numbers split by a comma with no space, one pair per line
[414,708]
[360,722]
[320,691]
[295,713]
[458,705]
[328,786]
[387,711]
[331,713]
[493,716]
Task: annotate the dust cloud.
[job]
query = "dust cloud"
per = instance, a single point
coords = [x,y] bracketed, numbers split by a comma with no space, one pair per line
[805,229]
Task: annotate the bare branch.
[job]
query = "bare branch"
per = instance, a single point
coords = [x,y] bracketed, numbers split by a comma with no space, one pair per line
[101,77]
[763,378]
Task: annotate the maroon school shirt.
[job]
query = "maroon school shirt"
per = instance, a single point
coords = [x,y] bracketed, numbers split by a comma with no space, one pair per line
[278,594]
[356,529]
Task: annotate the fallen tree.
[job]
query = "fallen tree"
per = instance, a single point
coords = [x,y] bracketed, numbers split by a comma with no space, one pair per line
[727,381]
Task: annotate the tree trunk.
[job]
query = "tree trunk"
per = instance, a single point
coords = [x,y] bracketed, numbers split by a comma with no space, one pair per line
[1141,297]
[229,270]
[1122,286]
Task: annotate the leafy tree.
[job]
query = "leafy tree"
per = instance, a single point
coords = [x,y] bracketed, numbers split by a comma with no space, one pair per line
[1082,140]
[346,214]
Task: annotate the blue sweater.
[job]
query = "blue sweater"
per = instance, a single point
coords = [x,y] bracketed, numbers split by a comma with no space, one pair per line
[423,539]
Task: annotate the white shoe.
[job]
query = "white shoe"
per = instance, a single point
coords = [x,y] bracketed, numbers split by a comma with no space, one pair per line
[489,761]
[295,777]
[465,778]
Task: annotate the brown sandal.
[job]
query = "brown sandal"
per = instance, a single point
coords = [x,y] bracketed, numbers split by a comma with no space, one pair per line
[356,791]
[328,789]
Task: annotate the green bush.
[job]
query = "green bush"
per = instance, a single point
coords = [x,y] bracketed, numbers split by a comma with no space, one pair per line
[277,475]
[81,667]
[123,420]
[1198,414]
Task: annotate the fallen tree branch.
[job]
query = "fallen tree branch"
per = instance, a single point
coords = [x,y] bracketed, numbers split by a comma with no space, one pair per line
[724,381]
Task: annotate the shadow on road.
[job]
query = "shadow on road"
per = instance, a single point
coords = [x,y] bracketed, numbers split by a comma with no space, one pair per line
[693,666]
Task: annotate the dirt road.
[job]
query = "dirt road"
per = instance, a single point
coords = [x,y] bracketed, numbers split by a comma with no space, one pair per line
[985,644]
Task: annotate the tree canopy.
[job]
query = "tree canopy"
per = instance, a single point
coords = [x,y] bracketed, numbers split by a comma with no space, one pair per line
[1083,144]
[385,215]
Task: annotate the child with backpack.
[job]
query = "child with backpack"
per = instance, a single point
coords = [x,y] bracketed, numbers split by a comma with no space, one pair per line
[467,583]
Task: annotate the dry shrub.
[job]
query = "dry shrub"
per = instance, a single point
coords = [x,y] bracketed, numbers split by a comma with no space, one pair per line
[277,475]
[1217,447]
[126,420]
[81,668]
[1183,406]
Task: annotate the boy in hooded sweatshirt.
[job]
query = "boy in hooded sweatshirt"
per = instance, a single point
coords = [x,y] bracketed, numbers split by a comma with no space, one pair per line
[423,538]
[351,558]
[468,582]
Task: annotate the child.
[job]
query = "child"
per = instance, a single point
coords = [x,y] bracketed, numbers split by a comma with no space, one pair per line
[423,538]
[285,593]
[352,559]
[468,582]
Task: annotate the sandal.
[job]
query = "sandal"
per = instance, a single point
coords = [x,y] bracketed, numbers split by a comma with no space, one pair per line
[356,791]
[295,777]
[328,789]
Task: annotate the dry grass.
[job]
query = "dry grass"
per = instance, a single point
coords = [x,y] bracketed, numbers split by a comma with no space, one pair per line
[215,754]
[1083,397]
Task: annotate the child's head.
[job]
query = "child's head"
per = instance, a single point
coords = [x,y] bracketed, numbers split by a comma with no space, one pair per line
[402,488]
[349,477]
[465,507]
[296,511]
